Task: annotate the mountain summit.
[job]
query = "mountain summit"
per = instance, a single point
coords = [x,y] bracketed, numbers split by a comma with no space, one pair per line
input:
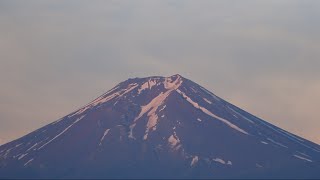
[160,127]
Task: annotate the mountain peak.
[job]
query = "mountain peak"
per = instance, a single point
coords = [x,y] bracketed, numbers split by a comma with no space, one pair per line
[149,127]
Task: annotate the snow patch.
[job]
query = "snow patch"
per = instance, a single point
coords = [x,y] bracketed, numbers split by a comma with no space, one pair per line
[32,146]
[147,85]
[18,145]
[173,140]
[143,87]
[304,154]
[170,84]
[151,108]
[195,159]
[104,135]
[258,165]
[28,162]
[196,105]
[276,143]
[302,158]
[207,101]
[221,161]
[7,152]
[152,83]
[22,156]
[163,108]
[131,131]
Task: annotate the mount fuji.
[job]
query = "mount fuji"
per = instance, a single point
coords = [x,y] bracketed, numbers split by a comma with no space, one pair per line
[160,127]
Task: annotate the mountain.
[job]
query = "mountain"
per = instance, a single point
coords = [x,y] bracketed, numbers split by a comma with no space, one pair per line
[160,127]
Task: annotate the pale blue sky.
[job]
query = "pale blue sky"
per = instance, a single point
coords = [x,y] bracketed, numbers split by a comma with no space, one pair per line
[58,55]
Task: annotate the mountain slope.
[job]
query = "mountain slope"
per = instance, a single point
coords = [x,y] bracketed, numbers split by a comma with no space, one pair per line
[160,127]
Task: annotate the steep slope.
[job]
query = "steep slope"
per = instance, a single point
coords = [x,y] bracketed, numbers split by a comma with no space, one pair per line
[159,127]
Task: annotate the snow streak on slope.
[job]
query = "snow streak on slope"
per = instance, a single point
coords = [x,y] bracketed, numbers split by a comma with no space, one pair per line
[117,94]
[280,131]
[173,140]
[152,108]
[33,146]
[22,156]
[62,131]
[103,99]
[207,100]
[196,105]
[195,159]
[302,158]
[28,162]
[104,135]
[219,160]
[276,143]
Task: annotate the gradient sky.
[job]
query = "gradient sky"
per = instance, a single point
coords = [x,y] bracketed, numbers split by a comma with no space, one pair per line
[262,56]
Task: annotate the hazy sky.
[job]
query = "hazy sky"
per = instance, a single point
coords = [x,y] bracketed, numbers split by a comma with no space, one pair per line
[56,56]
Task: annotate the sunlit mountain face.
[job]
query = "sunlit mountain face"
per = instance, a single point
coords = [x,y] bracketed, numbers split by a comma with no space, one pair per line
[160,127]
